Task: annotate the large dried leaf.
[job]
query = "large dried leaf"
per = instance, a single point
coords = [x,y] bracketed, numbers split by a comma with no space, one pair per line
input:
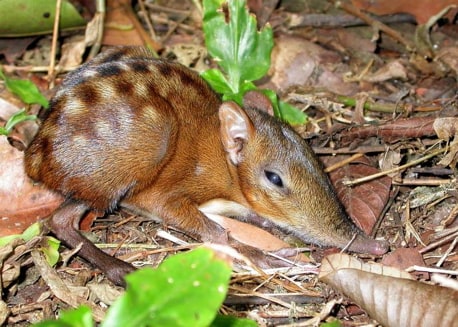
[252,235]
[364,202]
[21,202]
[393,301]
[337,261]
[299,62]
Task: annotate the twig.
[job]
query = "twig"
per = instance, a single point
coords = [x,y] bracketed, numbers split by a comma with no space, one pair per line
[35,69]
[52,59]
[147,40]
[162,20]
[423,182]
[377,107]
[432,270]
[173,28]
[147,19]
[168,10]
[375,23]
[262,296]
[438,243]
[447,253]
[298,298]
[394,170]
[363,149]
[343,162]
[99,20]
[327,20]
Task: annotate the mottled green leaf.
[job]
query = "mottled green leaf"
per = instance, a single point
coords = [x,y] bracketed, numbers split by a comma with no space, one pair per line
[34,17]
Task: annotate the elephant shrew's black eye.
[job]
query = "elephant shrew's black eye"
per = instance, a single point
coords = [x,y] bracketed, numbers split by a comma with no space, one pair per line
[274,178]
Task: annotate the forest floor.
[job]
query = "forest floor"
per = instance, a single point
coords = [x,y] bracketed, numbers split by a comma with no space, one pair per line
[379,87]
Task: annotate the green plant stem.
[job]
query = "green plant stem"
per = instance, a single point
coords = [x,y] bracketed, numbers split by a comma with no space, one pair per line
[377,107]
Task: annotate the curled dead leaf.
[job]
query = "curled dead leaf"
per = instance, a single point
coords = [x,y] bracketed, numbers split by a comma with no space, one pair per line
[446,127]
[392,301]
[334,262]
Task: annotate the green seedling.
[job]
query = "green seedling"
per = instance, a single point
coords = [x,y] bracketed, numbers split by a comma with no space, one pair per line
[28,93]
[242,53]
[26,90]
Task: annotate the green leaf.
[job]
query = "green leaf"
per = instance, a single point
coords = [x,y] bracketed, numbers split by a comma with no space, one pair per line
[32,231]
[217,81]
[241,51]
[33,17]
[7,239]
[15,119]
[291,114]
[25,90]
[229,321]
[51,251]
[80,317]
[238,97]
[285,111]
[186,290]
[335,323]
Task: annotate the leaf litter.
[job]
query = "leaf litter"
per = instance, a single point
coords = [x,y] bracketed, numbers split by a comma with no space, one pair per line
[372,102]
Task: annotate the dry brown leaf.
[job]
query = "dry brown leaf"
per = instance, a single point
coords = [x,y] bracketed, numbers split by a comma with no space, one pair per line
[72,52]
[9,272]
[299,62]
[363,202]
[4,312]
[337,261]
[390,159]
[403,258]
[21,202]
[393,301]
[60,289]
[446,127]
[104,291]
[449,56]
[252,235]
[451,158]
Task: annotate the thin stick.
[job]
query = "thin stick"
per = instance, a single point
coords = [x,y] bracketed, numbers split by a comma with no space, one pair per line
[375,23]
[394,170]
[147,20]
[343,162]
[55,33]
